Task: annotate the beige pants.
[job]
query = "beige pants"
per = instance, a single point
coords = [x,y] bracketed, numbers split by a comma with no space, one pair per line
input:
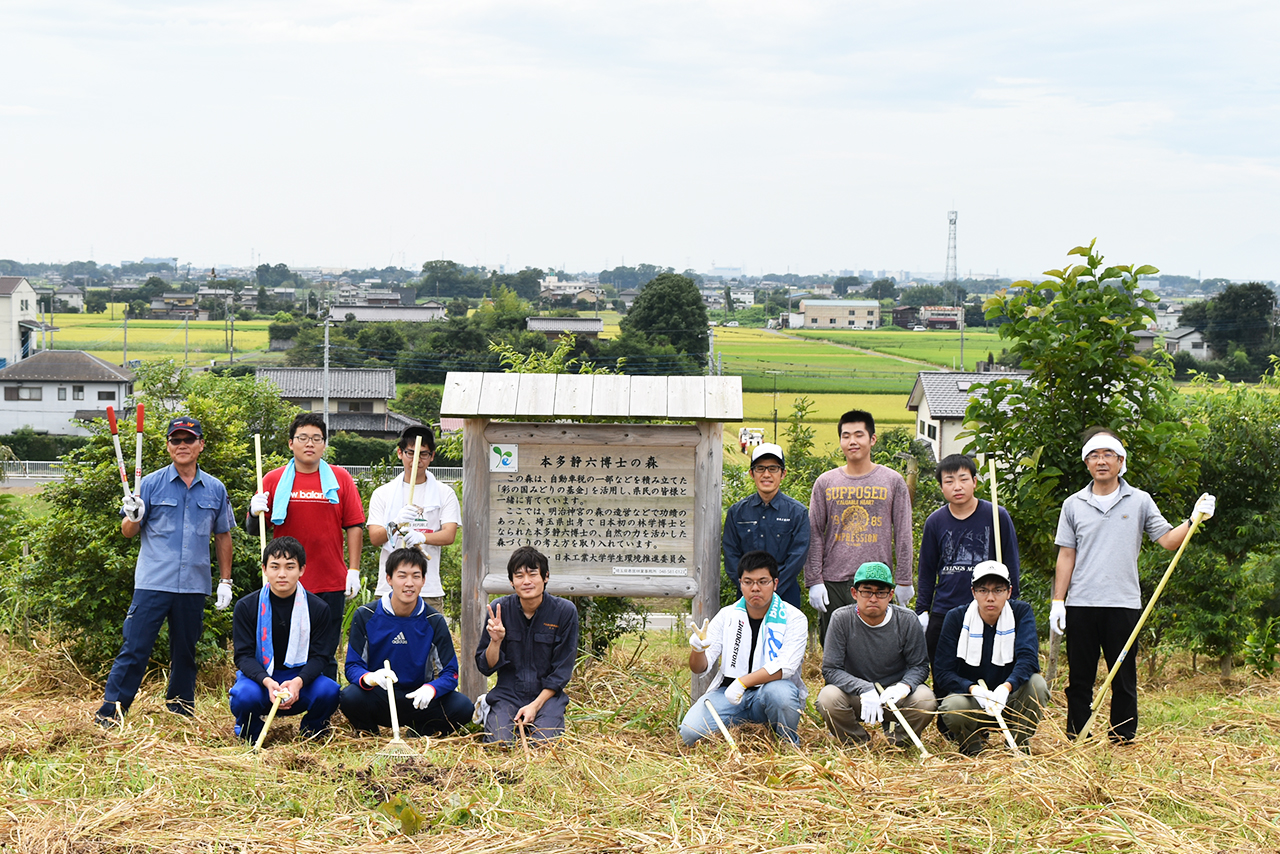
[965,719]
[843,714]
[436,602]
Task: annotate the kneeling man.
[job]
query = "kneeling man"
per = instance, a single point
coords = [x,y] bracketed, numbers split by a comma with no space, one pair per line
[401,628]
[278,635]
[759,642]
[992,640]
[870,642]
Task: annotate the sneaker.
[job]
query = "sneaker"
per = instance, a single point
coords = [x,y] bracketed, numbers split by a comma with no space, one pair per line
[482,710]
[109,716]
[180,707]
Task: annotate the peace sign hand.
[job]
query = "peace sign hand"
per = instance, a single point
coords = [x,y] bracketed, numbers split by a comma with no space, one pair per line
[497,631]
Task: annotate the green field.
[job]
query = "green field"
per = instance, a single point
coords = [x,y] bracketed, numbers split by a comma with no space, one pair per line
[103,336]
[940,348]
[809,365]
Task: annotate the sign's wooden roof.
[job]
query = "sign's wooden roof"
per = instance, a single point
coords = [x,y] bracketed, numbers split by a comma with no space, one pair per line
[495,395]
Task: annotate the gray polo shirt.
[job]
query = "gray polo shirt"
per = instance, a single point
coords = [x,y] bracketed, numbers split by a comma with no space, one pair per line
[1106,544]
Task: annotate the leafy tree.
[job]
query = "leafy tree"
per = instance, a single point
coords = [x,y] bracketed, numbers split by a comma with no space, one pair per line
[356,450]
[1241,316]
[844,284]
[882,289]
[1240,464]
[1195,315]
[152,288]
[670,309]
[925,295]
[1074,332]
[95,301]
[418,401]
[82,593]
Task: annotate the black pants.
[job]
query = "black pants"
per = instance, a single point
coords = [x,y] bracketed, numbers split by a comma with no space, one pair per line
[932,634]
[839,594]
[337,602]
[1088,631]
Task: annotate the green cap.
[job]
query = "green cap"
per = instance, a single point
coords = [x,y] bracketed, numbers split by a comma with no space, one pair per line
[874,571]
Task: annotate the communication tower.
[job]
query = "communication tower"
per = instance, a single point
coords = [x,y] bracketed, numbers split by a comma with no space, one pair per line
[950,275]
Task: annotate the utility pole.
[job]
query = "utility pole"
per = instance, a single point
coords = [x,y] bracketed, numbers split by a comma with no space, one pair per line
[125,362]
[186,340]
[775,404]
[327,313]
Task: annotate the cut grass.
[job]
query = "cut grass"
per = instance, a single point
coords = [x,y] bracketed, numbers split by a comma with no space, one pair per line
[620,782]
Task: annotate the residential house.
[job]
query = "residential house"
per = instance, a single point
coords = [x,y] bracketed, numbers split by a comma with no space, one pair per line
[942,316]
[939,399]
[19,319]
[1187,339]
[177,305]
[56,391]
[554,327]
[357,397]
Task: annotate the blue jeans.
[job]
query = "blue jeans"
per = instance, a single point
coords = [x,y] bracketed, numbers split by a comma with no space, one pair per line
[147,612]
[249,702]
[775,703]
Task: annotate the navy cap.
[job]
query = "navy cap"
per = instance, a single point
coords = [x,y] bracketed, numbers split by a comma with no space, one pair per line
[185,422]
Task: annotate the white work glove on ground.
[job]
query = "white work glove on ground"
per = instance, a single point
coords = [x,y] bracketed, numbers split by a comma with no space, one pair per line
[224,594]
[482,710]
[872,712]
[379,678]
[894,693]
[408,515]
[133,507]
[411,538]
[422,697]
[735,691]
[904,592]
[924,620]
[1058,616]
[258,503]
[1205,505]
[818,598]
[353,584]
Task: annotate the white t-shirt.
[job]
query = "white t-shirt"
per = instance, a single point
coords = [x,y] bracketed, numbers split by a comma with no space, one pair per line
[439,507]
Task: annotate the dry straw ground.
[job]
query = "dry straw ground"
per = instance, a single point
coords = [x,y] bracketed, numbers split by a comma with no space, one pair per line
[1201,778]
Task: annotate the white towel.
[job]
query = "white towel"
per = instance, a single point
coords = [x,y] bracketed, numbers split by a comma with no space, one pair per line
[969,646]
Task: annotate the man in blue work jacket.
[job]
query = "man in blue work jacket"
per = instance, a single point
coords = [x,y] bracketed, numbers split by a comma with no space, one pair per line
[176,510]
[768,521]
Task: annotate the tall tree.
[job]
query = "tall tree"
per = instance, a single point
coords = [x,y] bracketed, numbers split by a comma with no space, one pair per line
[670,309]
[1241,318]
[882,289]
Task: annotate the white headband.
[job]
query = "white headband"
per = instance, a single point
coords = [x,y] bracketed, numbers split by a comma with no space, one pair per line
[1109,442]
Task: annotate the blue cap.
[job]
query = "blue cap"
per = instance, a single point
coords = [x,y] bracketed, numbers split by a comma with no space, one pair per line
[185,422]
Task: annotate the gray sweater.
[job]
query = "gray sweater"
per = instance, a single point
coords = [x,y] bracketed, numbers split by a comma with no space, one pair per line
[856,656]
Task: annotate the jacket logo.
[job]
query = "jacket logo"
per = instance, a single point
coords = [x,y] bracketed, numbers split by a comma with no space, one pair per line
[399,638]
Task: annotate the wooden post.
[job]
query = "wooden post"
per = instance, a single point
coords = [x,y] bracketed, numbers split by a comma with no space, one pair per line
[707,486]
[475,545]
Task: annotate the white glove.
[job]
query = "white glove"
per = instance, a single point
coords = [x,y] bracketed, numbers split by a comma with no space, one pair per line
[353,584]
[412,539]
[818,597]
[408,515]
[422,697]
[735,692]
[224,594]
[999,699]
[380,678]
[904,592]
[872,713]
[924,620]
[258,503]
[1058,617]
[1205,505]
[698,644]
[894,693]
[482,710]
[134,508]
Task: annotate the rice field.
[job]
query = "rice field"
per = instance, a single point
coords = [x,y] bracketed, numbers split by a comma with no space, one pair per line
[941,348]
[104,337]
[810,365]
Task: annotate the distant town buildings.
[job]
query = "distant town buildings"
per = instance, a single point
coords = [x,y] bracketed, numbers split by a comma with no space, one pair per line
[840,314]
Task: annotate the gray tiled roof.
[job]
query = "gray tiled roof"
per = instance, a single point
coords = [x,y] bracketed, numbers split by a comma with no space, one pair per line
[566,324]
[8,284]
[369,422]
[948,392]
[344,383]
[65,366]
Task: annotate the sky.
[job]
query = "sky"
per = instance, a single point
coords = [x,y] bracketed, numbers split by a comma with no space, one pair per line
[797,136]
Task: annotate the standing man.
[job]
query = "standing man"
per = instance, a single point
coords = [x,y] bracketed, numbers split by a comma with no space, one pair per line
[176,510]
[769,521]
[531,642]
[319,506]
[858,513]
[276,638]
[993,641]
[1100,531]
[956,538]
[400,627]
[759,642]
[870,642]
[430,520]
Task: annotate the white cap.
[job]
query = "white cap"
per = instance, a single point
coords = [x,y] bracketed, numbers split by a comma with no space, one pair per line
[768,449]
[990,567]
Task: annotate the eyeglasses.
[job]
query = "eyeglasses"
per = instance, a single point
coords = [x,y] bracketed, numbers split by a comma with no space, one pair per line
[309,440]
[1101,455]
[990,591]
[183,440]
[753,583]
[766,469]
[873,594]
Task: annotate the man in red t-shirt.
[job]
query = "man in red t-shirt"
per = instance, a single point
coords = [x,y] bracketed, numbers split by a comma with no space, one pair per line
[318,505]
